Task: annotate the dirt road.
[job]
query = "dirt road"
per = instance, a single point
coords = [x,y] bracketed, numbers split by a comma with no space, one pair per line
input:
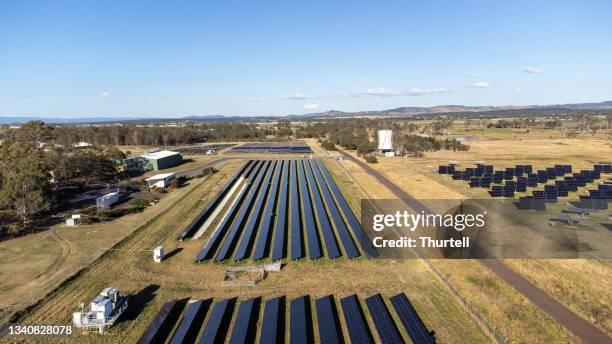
[582,329]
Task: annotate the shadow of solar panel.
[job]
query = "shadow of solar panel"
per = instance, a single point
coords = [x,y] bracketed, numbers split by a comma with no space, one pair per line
[255,216]
[330,331]
[386,328]
[341,228]
[241,218]
[314,243]
[212,205]
[297,245]
[164,321]
[300,325]
[217,326]
[245,325]
[188,328]
[215,239]
[355,321]
[539,204]
[411,320]
[273,324]
[267,224]
[331,244]
[365,242]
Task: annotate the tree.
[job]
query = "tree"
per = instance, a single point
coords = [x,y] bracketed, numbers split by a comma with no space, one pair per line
[25,181]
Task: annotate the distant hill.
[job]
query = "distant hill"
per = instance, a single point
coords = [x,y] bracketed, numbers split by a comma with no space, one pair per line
[406,111]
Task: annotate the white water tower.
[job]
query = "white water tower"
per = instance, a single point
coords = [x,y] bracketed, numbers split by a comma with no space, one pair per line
[384,141]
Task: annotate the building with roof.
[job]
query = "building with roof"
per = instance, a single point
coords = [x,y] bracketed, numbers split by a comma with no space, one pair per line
[163,159]
[161,180]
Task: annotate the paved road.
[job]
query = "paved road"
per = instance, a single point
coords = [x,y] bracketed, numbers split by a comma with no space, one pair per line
[582,329]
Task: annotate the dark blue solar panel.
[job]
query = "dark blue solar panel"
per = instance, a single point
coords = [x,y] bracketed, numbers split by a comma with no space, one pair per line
[357,326]
[245,325]
[366,244]
[278,251]
[314,245]
[345,236]
[268,220]
[213,242]
[327,318]
[212,205]
[331,244]
[255,216]
[234,232]
[297,246]
[192,321]
[410,319]
[272,326]
[300,324]
[382,320]
[164,321]
[217,326]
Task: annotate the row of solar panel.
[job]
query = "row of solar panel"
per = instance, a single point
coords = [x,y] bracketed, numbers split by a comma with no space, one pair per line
[273,148]
[283,198]
[214,328]
[597,199]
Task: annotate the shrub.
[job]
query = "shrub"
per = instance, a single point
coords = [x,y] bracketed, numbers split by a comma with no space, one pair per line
[327,144]
[140,203]
[371,159]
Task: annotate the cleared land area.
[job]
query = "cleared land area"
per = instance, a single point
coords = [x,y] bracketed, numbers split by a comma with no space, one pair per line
[134,272]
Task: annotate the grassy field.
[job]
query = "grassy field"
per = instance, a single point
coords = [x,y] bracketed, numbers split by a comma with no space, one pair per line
[578,284]
[35,264]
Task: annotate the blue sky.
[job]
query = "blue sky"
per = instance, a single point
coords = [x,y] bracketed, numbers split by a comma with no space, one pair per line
[176,58]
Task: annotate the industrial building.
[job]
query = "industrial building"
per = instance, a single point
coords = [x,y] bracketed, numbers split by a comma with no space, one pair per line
[154,160]
[163,159]
[107,200]
[385,145]
[160,180]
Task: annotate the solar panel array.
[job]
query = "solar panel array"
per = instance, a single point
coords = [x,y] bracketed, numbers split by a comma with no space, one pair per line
[198,325]
[291,147]
[282,203]
[563,184]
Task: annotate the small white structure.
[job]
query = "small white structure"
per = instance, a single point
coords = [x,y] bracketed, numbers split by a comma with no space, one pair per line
[73,220]
[104,310]
[107,200]
[160,180]
[81,144]
[158,254]
[210,151]
[384,141]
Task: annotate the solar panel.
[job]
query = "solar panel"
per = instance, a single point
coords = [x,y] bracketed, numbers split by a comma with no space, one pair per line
[164,321]
[212,205]
[345,236]
[314,246]
[272,324]
[297,245]
[457,175]
[331,244]
[191,322]
[355,321]
[213,242]
[411,320]
[217,326]
[365,242]
[267,223]
[278,251]
[234,233]
[300,325]
[382,320]
[330,331]
[442,169]
[255,216]
[245,325]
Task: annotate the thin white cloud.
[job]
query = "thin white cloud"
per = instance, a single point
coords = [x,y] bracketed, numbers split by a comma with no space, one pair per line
[387,92]
[519,89]
[258,98]
[105,94]
[481,84]
[298,96]
[311,106]
[532,70]
[216,94]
